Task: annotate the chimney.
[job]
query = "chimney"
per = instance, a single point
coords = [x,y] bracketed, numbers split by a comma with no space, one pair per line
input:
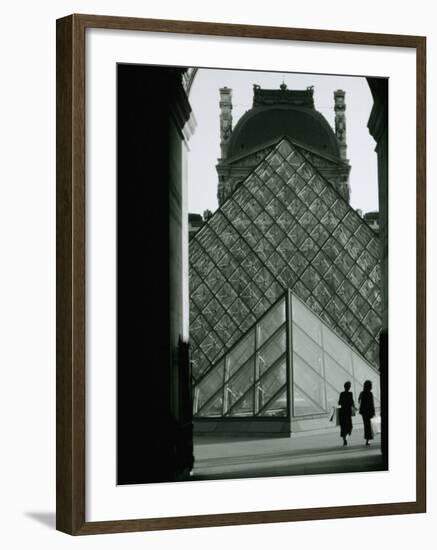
[340,122]
[225,120]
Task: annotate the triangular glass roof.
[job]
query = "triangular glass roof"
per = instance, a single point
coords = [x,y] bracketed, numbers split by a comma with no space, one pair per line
[284,227]
[289,363]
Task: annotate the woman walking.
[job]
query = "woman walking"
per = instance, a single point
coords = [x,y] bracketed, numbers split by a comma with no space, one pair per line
[367,409]
[347,406]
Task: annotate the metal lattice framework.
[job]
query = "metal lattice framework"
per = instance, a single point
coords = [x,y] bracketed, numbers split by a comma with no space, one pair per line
[284,227]
[289,364]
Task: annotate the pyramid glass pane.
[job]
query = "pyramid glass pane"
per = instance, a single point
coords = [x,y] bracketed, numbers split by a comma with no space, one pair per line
[325,253]
[271,351]
[307,322]
[309,381]
[253,377]
[244,406]
[276,406]
[320,372]
[362,372]
[241,353]
[269,384]
[208,386]
[335,375]
[307,349]
[250,374]
[214,407]
[271,322]
[303,405]
[238,385]
[332,397]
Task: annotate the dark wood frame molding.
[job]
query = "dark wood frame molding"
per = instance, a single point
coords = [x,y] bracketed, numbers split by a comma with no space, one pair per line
[70,298]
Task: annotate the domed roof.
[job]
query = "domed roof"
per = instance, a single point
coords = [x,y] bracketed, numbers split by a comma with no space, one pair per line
[262,124]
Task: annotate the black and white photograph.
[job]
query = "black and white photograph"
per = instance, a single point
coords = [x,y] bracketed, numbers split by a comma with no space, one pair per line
[217,279]
[252,325]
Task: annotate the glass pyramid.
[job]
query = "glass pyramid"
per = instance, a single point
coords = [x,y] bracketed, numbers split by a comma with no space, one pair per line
[284,227]
[289,364]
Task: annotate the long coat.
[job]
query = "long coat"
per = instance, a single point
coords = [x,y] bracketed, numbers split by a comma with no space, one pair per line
[346,402]
[367,411]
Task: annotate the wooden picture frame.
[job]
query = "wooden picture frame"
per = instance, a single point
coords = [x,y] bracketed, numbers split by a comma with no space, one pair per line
[71,283]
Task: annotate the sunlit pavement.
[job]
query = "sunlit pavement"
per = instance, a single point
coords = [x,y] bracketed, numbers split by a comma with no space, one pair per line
[303,453]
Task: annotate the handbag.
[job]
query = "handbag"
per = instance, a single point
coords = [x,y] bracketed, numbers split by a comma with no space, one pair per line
[337,416]
[375,423]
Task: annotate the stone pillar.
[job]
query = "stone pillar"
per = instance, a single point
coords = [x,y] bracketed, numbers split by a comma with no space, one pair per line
[225,120]
[225,135]
[154,428]
[378,128]
[340,132]
[340,122]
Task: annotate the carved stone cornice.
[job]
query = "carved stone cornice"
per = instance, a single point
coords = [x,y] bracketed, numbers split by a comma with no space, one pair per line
[180,108]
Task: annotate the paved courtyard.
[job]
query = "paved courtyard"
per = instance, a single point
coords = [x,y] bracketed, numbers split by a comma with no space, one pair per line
[302,453]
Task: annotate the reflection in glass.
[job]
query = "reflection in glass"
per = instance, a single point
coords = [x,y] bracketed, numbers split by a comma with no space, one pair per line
[337,349]
[239,384]
[277,406]
[244,406]
[332,396]
[307,349]
[239,355]
[309,381]
[335,374]
[252,378]
[214,407]
[309,322]
[208,385]
[271,382]
[270,322]
[363,372]
[303,405]
[271,351]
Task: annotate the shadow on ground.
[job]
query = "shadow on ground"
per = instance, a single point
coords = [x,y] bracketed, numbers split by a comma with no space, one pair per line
[45,518]
[306,454]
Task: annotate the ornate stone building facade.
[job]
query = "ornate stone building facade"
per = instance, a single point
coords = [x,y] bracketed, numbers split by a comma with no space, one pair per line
[275,114]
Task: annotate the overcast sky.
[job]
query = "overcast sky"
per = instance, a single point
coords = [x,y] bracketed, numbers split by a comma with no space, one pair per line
[205,143]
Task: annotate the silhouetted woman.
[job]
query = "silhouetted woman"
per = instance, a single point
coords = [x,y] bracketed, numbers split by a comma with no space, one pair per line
[346,402]
[367,409]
